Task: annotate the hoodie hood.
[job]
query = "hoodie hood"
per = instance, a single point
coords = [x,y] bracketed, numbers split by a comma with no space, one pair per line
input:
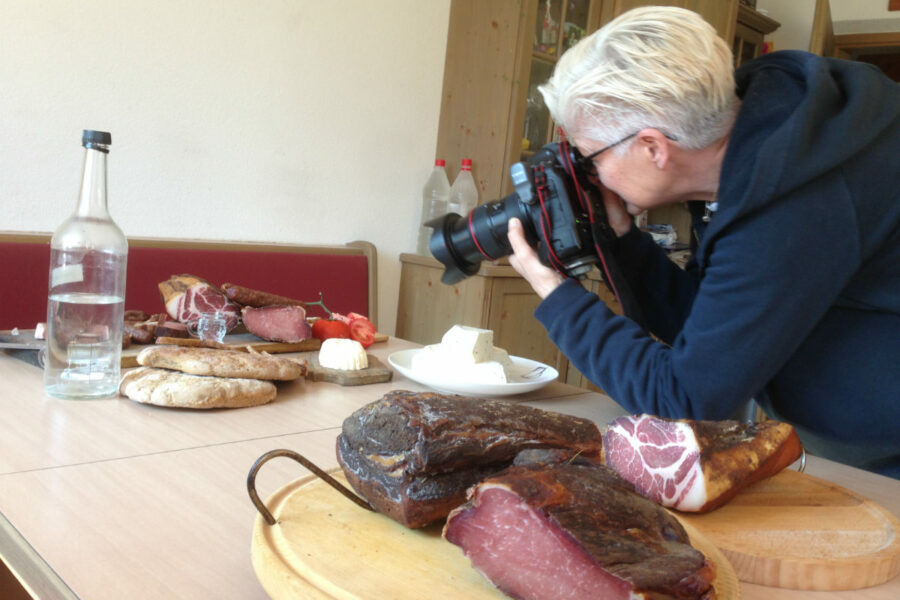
[792,126]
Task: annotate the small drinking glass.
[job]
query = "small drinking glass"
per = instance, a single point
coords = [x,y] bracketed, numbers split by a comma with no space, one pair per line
[210,327]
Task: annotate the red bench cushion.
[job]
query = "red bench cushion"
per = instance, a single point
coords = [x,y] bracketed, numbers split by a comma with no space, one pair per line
[342,278]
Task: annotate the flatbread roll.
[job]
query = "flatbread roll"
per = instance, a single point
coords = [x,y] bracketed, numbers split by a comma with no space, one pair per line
[221,363]
[163,387]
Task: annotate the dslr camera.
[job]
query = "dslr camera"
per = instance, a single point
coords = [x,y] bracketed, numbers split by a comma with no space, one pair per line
[560,209]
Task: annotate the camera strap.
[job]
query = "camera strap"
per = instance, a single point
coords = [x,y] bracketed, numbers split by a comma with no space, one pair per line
[613,276]
[604,241]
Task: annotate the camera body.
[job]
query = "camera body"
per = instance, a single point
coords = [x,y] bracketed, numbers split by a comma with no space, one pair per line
[560,209]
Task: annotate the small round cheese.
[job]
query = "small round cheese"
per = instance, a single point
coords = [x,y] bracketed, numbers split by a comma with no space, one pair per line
[342,354]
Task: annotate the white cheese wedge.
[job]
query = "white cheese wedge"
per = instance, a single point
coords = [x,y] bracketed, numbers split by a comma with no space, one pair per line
[343,354]
[489,371]
[502,356]
[468,344]
[461,355]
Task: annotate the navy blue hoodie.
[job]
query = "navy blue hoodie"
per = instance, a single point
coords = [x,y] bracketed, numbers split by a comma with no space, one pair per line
[792,295]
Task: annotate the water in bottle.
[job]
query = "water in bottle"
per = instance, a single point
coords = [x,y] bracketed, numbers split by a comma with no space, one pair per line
[86,300]
[435,198]
[463,192]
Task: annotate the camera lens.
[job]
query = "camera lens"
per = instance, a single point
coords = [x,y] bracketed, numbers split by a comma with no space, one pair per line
[461,243]
[456,266]
[559,209]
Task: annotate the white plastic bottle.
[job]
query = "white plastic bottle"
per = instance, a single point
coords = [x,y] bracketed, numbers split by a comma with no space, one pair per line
[463,192]
[435,200]
[86,300]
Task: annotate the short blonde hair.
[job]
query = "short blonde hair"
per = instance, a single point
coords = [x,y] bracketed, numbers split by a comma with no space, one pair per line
[656,66]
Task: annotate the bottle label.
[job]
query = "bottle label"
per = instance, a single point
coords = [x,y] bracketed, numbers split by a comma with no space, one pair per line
[66,274]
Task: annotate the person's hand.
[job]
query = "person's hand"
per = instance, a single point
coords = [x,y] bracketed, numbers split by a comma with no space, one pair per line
[617,213]
[526,262]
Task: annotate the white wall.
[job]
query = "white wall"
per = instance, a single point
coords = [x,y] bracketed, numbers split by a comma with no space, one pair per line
[847,16]
[863,16]
[796,18]
[294,121]
[853,10]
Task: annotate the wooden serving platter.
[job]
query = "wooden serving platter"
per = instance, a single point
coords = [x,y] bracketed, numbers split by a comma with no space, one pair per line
[326,547]
[796,531]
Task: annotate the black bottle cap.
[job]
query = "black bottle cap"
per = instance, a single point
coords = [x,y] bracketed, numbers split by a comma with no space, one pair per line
[98,140]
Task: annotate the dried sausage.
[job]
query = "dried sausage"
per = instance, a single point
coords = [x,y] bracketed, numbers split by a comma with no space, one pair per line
[250,297]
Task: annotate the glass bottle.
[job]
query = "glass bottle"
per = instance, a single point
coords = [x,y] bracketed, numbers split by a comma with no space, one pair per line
[435,198]
[86,301]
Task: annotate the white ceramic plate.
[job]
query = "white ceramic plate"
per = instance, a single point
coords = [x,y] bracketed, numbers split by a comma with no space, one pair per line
[535,375]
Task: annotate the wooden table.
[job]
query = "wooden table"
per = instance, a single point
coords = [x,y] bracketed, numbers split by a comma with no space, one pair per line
[113,499]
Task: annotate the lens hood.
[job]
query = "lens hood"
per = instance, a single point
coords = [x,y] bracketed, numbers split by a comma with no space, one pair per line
[456,266]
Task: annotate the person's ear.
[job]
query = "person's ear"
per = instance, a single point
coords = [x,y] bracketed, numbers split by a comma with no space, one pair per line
[655,146]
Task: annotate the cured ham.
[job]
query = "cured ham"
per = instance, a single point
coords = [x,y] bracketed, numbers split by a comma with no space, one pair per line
[576,532]
[186,297]
[697,466]
[277,323]
[413,455]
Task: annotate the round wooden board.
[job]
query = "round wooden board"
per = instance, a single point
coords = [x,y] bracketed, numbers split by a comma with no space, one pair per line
[796,531]
[326,547]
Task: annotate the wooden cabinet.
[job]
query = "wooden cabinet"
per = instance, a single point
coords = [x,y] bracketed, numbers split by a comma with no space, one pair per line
[559,25]
[483,73]
[751,29]
[495,298]
[496,57]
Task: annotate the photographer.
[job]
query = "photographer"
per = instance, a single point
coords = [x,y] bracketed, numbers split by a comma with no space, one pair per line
[791,170]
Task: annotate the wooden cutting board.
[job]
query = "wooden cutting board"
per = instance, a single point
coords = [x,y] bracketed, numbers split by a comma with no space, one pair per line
[243,341]
[376,372]
[237,341]
[20,339]
[800,532]
[326,547]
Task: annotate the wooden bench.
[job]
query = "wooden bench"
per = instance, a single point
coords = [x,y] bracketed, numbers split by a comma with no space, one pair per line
[345,275]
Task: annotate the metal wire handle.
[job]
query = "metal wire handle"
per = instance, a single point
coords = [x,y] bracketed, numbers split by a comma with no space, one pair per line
[261,506]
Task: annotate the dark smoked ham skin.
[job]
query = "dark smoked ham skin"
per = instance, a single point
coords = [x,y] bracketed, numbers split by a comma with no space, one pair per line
[249,297]
[414,455]
[576,532]
[697,466]
[277,323]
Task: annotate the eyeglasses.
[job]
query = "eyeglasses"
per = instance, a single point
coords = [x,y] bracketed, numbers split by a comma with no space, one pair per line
[587,160]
